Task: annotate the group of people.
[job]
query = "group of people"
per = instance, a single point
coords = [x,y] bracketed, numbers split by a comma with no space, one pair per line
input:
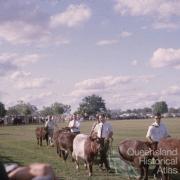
[104,131]
[101,129]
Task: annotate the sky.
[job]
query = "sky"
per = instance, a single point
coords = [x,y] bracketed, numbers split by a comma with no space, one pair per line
[127,52]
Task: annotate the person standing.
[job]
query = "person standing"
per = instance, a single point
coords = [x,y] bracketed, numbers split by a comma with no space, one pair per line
[74,124]
[104,132]
[94,129]
[157,131]
[50,125]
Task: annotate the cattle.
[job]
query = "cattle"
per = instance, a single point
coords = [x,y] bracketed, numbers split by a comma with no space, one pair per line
[56,135]
[168,153]
[41,134]
[65,144]
[86,148]
[138,154]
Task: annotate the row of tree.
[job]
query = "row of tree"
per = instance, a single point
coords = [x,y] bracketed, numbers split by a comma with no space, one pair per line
[27,109]
[90,105]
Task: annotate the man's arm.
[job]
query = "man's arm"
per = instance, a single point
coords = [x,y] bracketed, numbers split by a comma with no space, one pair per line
[149,139]
[148,135]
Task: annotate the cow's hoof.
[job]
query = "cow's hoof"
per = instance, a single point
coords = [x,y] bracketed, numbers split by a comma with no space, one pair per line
[77,167]
[90,174]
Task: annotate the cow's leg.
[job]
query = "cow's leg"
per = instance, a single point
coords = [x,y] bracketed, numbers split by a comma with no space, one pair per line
[60,152]
[37,141]
[46,140]
[90,168]
[141,171]
[57,149]
[165,176]
[145,169]
[40,141]
[65,154]
[156,169]
[85,164]
[77,163]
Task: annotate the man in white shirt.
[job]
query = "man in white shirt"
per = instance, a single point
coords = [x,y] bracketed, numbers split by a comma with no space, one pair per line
[157,130]
[104,132]
[74,124]
[155,133]
[50,125]
[95,127]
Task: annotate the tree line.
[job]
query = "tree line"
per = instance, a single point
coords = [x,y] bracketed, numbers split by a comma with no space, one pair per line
[89,106]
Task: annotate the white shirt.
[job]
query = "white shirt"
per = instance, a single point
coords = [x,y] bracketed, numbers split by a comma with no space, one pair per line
[105,129]
[50,124]
[74,125]
[157,132]
[95,127]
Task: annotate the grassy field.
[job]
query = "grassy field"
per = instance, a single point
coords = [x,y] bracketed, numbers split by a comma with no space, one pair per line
[18,144]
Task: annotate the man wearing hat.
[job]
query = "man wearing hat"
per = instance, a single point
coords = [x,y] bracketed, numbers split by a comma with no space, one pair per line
[157,130]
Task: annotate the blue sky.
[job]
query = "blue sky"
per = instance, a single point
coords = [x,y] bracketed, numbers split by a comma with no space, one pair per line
[128,52]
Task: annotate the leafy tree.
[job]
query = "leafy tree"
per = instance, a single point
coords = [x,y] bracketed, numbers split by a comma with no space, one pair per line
[2,110]
[59,108]
[55,109]
[46,111]
[91,105]
[160,107]
[22,109]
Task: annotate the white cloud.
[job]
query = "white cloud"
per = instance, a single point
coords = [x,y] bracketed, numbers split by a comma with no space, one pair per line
[116,90]
[24,22]
[162,8]
[16,60]
[24,80]
[173,90]
[134,63]
[103,82]
[40,99]
[74,15]
[161,11]
[165,25]
[106,42]
[18,32]
[125,34]
[166,58]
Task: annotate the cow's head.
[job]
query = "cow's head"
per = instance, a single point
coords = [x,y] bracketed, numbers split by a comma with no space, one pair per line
[95,144]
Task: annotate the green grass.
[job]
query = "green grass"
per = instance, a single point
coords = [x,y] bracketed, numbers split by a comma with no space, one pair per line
[18,144]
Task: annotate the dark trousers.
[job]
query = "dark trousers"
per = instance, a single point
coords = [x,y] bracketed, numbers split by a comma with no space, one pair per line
[103,153]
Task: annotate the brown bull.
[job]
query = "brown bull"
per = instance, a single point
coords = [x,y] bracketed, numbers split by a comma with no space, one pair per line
[41,134]
[138,154]
[169,157]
